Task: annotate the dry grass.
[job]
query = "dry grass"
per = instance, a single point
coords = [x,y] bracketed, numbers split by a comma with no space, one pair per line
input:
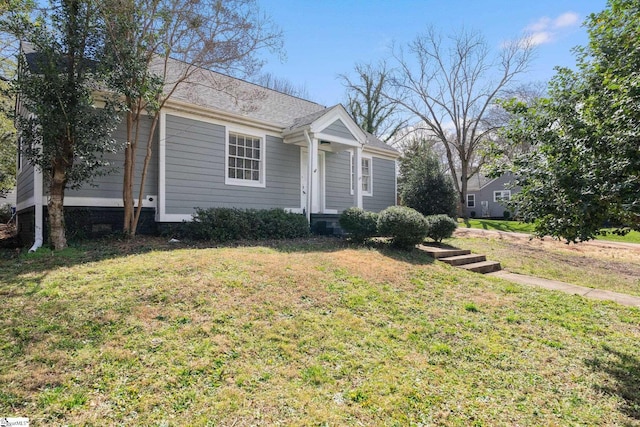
[599,265]
[304,333]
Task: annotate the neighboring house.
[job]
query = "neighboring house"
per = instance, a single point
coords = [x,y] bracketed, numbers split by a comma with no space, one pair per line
[486,197]
[224,142]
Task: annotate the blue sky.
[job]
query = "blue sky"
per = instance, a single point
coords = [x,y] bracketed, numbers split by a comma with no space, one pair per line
[325,38]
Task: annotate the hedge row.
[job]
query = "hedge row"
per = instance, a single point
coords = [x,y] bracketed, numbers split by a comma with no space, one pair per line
[227,224]
[405,226]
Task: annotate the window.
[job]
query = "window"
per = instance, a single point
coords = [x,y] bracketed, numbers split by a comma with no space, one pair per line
[471,200]
[245,160]
[366,175]
[502,195]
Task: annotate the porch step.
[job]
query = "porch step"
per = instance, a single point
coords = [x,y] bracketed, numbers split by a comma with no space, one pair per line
[439,253]
[482,267]
[461,260]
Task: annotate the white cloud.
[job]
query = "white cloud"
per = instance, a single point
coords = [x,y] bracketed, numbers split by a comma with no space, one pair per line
[541,37]
[567,19]
[545,30]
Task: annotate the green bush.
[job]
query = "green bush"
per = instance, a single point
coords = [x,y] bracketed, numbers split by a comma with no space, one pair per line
[227,224]
[5,213]
[359,224]
[406,227]
[506,215]
[440,227]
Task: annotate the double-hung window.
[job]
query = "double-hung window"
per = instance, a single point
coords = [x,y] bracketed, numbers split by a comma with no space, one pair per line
[366,175]
[471,200]
[245,160]
[502,196]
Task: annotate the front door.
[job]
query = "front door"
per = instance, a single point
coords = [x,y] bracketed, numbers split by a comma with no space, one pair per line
[317,189]
[485,208]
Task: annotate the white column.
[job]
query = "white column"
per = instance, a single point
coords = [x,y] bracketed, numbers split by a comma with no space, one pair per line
[357,191]
[314,184]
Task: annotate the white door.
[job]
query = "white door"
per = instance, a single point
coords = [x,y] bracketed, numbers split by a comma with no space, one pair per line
[485,208]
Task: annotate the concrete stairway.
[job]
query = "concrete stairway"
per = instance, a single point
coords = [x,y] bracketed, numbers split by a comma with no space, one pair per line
[462,258]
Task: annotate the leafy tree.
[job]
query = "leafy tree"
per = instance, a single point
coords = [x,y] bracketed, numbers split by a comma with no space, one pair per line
[451,87]
[584,167]
[164,43]
[367,103]
[63,134]
[423,184]
[7,141]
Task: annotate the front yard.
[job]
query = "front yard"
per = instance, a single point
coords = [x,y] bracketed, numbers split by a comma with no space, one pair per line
[302,333]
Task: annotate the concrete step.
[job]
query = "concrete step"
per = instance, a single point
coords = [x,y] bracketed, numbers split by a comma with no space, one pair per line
[460,260]
[482,267]
[438,253]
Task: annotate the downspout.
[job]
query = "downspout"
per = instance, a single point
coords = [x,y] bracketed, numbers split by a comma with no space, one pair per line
[309,175]
[37,199]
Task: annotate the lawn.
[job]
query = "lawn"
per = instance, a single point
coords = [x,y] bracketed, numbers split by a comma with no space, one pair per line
[520,227]
[302,333]
[584,264]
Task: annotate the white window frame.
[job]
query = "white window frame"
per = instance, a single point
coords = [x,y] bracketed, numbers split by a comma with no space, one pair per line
[473,201]
[368,192]
[353,173]
[262,161]
[501,196]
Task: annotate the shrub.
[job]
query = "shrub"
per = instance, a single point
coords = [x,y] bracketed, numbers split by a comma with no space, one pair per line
[440,227]
[473,214]
[423,183]
[359,223]
[406,227]
[226,224]
[5,213]
[506,215]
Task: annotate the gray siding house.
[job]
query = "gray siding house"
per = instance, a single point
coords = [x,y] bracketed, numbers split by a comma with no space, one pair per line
[224,142]
[486,197]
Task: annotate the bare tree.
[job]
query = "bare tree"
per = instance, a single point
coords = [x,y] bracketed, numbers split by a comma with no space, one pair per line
[283,85]
[367,103]
[165,43]
[451,85]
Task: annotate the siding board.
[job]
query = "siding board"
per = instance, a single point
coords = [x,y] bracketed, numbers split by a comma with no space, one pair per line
[384,190]
[338,129]
[195,173]
[338,181]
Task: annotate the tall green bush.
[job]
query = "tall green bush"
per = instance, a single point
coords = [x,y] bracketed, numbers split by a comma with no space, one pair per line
[423,183]
[359,224]
[406,227]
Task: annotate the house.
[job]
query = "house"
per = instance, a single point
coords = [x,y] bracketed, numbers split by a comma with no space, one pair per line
[486,197]
[225,142]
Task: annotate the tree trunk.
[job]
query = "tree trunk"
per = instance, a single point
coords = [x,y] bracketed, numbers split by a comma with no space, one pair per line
[57,234]
[143,177]
[127,183]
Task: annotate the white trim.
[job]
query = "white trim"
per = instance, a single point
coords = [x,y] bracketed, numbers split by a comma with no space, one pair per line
[245,131]
[176,218]
[304,179]
[352,172]
[370,191]
[150,201]
[379,152]
[502,194]
[330,211]
[358,184]
[322,188]
[337,139]
[185,109]
[474,200]
[294,210]
[162,165]
[338,112]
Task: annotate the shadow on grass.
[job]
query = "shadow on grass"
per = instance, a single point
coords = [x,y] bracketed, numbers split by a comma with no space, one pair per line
[26,271]
[624,371]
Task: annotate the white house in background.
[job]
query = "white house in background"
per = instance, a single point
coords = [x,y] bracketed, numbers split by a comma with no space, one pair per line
[224,142]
